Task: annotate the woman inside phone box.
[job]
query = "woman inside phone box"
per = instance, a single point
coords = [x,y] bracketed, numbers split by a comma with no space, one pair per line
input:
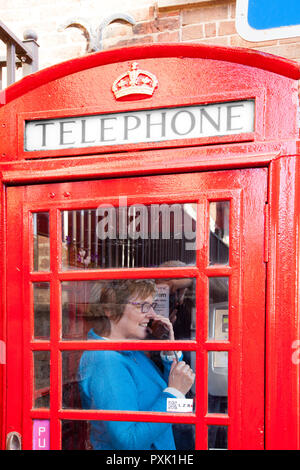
[129,380]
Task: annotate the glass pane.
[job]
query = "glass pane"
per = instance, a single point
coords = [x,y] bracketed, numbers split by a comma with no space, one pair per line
[41,241]
[217,437]
[125,380]
[41,298]
[217,382]
[99,305]
[129,237]
[123,435]
[41,379]
[219,232]
[218,308]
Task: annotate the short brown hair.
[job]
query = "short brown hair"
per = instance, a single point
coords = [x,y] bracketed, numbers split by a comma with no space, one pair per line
[114,297]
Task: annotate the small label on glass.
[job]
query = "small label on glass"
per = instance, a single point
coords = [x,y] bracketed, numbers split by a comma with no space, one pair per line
[180,405]
[162,299]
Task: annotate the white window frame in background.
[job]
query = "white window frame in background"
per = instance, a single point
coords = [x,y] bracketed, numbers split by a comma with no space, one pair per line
[181,3]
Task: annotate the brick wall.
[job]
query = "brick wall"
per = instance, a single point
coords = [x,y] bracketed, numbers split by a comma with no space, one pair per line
[211,22]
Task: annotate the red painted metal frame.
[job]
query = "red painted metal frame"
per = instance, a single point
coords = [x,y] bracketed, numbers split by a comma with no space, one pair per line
[3,335]
[283,319]
[247,238]
[276,149]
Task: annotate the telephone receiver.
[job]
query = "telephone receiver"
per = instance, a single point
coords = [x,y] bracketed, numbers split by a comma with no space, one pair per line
[158,330]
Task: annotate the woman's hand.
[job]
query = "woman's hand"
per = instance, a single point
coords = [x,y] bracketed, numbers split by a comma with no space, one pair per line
[181,377]
[163,321]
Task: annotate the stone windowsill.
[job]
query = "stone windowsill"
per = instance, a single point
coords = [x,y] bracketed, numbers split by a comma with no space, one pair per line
[162,4]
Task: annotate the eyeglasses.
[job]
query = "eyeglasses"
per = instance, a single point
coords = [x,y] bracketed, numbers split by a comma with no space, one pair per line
[145,306]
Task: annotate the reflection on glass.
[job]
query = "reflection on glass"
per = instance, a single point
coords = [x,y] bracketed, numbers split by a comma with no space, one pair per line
[218,308]
[84,306]
[119,380]
[128,237]
[217,382]
[41,307]
[92,435]
[219,232]
[217,437]
[41,241]
[41,379]
[71,391]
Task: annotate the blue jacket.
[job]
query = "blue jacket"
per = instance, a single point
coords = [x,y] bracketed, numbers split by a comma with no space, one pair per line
[130,381]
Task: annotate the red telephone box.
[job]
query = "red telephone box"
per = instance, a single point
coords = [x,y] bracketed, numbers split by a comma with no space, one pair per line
[171,163]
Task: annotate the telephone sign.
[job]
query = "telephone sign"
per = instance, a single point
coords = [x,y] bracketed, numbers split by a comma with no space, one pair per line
[154,125]
[262,20]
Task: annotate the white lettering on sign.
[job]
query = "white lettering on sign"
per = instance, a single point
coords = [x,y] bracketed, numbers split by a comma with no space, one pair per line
[156,125]
[41,438]
[41,434]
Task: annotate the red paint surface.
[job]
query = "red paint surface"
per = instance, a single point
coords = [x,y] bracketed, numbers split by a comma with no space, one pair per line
[187,74]
[247,192]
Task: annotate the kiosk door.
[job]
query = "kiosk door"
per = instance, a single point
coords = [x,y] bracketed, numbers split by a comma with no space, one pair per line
[198,240]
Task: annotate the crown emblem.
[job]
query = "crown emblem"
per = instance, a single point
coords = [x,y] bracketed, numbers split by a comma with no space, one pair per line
[134,82]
